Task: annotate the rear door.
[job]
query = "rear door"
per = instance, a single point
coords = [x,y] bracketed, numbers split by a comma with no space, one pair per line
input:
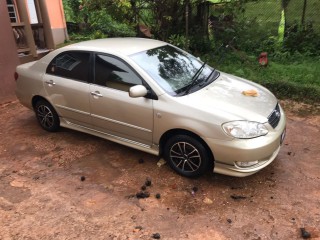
[67,85]
[113,111]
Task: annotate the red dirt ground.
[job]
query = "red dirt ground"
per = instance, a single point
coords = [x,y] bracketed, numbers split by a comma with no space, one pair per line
[42,195]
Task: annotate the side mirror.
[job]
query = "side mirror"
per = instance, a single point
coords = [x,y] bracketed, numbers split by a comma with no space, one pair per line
[138,91]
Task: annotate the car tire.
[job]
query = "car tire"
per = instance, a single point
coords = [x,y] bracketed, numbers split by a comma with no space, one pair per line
[47,116]
[187,156]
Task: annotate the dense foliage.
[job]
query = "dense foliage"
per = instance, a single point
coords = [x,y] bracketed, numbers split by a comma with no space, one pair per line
[100,18]
[235,33]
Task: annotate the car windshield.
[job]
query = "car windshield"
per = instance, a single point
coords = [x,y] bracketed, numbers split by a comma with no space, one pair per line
[173,69]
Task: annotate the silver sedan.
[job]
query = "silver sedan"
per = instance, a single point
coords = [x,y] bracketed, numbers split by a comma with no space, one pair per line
[155,97]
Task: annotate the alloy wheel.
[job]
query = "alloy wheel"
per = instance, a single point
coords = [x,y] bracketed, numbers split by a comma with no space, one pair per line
[185,157]
[45,116]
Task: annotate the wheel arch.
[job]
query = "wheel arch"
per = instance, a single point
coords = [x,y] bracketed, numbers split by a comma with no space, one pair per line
[167,135]
[36,99]
[49,122]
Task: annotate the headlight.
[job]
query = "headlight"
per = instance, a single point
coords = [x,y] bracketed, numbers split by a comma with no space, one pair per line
[244,129]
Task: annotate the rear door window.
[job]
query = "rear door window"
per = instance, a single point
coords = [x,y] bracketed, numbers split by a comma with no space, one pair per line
[71,64]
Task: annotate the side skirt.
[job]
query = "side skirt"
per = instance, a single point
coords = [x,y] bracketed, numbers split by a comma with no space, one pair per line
[152,149]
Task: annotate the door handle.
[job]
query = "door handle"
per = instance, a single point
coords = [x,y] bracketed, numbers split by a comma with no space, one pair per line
[50,82]
[96,94]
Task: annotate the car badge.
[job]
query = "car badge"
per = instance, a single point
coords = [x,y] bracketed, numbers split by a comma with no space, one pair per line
[277,113]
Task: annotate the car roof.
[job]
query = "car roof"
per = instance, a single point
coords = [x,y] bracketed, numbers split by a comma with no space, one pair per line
[124,46]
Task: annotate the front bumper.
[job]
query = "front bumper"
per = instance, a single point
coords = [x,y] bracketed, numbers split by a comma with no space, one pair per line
[232,170]
[262,149]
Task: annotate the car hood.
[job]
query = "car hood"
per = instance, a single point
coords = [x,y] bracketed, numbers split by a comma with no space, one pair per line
[224,97]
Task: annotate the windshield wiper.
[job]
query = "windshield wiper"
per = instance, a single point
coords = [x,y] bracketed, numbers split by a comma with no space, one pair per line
[213,70]
[195,78]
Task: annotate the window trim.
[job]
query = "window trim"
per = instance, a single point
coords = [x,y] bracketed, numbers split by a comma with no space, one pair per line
[89,77]
[151,94]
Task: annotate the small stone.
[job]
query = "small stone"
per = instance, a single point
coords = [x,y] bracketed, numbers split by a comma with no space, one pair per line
[143,194]
[229,220]
[271,197]
[195,189]
[137,229]
[148,182]
[158,196]
[289,153]
[131,196]
[305,234]
[36,178]
[143,187]
[237,197]
[156,236]
[82,178]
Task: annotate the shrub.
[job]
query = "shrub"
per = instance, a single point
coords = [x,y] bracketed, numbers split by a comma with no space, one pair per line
[303,39]
[179,40]
[101,21]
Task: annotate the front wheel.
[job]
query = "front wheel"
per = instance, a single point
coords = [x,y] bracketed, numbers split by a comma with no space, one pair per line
[47,116]
[187,156]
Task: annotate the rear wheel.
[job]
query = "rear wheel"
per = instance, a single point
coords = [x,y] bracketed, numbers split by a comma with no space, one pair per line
[47,116]
[187,156]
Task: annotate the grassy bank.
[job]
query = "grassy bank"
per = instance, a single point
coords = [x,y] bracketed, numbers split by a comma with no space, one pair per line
[268,13]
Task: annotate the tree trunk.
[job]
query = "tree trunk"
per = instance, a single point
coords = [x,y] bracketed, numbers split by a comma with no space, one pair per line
[187,25]
[304,12]
[202,18]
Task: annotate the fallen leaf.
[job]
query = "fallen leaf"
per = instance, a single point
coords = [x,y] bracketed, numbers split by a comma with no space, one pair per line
[161,162]
[207,200]
[251,92]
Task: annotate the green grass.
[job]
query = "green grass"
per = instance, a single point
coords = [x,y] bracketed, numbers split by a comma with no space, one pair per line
[295,9]
[268,13]
[296,80]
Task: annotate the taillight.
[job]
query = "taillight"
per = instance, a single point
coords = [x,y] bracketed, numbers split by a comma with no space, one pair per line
[16,75]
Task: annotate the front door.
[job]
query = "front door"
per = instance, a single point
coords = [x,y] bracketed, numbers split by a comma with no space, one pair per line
[113,111]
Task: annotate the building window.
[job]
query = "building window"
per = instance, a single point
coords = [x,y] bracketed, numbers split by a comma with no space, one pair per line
[12,11]
[32,12]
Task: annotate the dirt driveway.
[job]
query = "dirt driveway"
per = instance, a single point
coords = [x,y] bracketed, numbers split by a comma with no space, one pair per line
[69,185]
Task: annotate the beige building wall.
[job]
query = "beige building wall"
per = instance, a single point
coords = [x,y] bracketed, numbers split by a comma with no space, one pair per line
[8,56]
[57,21]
